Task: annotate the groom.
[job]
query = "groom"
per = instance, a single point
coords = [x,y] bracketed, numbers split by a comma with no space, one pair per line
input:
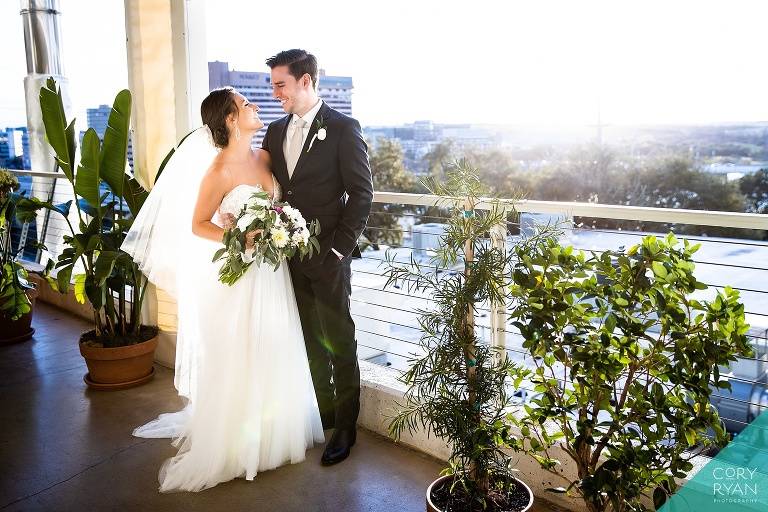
[320,159]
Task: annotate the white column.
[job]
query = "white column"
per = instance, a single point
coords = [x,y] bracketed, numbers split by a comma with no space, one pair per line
[168,77]
[498,309]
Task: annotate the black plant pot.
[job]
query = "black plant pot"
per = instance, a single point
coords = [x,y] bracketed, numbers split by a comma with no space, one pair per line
[14,331]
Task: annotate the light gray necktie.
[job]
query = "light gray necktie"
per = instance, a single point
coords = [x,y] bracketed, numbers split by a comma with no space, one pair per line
[295,145]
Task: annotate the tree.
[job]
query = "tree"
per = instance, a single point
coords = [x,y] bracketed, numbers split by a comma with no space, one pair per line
[625,361]
[440,158]
[589,173]
[497,169]
[675,183]
[755,187]
[606,175]
[389,175]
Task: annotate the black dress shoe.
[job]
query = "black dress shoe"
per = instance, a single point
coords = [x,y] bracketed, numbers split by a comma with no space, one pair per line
[339,446]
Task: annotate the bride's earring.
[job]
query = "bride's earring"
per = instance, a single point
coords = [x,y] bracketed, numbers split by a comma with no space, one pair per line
[237,132]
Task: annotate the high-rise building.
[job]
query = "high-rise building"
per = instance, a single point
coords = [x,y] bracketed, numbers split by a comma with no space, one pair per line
[6,149]
[336,91]
[98,118]
[14,148]
[26,156]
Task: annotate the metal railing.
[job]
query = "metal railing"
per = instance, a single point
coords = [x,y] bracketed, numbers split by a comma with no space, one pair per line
[739,262]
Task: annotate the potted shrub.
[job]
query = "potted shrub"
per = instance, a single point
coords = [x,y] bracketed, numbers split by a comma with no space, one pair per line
[456,389]
[625,361]
[17,295]
[119,350]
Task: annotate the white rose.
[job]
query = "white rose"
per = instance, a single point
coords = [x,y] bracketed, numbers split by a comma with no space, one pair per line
[279,237]
[321,133]
[298,238]
[245,221]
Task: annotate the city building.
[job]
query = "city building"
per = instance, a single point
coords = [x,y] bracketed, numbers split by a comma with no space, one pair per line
[14,148]
[6,149]
[98,118]
[336,91]
[26,156]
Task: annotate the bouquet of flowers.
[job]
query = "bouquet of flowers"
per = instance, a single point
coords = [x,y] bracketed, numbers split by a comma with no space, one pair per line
[280,233]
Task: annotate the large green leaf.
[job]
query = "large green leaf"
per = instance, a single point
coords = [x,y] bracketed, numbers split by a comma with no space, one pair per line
[3,209]
[13,299]
[115,147]
[69,135]
[63,277]
[27,207]
[80,289]
[87,177]
[54,119]
[135,195]
[96,294]
[104,265]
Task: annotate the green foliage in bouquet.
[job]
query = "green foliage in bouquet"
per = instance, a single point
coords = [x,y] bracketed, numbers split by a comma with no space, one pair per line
[625,363]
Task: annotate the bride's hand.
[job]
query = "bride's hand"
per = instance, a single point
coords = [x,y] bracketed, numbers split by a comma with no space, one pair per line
[250,238]
[228,220]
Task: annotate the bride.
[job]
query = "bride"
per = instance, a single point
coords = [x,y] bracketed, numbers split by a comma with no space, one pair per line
[240,356]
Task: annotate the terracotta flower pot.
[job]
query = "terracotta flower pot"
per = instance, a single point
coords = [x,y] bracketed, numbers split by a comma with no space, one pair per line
[13,331]
[431,507]
[119,367]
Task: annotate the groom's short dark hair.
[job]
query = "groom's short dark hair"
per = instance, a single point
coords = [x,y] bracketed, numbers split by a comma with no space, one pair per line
[299,62]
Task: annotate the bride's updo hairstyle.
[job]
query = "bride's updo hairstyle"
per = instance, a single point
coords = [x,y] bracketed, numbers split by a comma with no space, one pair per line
[215,109]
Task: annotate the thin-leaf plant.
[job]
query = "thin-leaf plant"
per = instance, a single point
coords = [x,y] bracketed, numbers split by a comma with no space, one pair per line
[456,385]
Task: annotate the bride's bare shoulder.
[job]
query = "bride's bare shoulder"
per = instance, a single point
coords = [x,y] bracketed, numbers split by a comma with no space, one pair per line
[217,174]
[217,167]
[263,157]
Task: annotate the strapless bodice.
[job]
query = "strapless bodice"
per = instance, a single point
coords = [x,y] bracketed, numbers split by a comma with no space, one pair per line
[235,199]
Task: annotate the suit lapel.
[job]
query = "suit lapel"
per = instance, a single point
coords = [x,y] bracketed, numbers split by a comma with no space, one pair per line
[305,154]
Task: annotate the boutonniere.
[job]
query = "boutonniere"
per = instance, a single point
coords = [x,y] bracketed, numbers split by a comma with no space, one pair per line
[321,133]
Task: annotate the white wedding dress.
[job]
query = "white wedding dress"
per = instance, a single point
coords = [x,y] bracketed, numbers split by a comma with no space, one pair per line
[252,405]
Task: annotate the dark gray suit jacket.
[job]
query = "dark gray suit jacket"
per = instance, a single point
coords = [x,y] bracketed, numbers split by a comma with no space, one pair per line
[332,180]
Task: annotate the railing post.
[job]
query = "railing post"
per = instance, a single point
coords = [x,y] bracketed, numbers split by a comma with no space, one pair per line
[41,236]
[499,309]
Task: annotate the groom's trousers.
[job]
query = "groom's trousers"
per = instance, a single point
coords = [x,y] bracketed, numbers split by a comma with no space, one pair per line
[322,296]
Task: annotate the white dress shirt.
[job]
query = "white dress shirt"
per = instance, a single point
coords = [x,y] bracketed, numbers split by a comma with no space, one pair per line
[309,118]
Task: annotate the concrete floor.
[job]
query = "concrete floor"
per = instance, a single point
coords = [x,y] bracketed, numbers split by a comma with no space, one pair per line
[66,448]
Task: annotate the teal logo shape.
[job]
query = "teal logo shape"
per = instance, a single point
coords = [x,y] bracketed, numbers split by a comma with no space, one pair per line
[735,480]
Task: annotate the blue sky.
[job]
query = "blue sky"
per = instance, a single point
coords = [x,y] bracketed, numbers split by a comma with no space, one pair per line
[540,62]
